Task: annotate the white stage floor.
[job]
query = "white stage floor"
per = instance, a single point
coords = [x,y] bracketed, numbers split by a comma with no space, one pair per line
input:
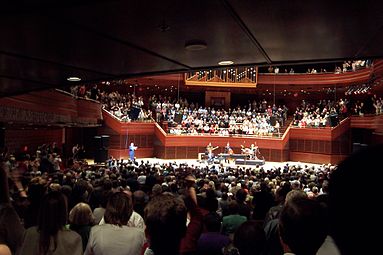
[194,162]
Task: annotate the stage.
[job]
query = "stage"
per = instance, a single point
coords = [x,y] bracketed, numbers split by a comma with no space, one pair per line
[268,165]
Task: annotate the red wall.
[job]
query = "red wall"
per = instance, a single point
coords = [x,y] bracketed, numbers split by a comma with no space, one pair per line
[15,140]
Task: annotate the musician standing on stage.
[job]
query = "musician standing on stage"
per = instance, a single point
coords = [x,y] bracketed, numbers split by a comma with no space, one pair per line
[253,151]
[209,152]
[228,149]
[132,148]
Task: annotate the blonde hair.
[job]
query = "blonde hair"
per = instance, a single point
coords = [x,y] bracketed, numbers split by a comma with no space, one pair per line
[81,214]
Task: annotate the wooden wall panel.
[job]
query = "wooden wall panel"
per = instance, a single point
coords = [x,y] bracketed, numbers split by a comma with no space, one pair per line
[191,152]
[170,152]
[217,94]
[276,155]
[124,153]
[311,133]
[316,158]
[159,152]
[15,140]
[181,152]
[51,106]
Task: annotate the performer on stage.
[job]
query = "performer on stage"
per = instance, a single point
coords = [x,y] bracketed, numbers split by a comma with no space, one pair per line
[228,149]
[132,148]
[253,151]
[209,152]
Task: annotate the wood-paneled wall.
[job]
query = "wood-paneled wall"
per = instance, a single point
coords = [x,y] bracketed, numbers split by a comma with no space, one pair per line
[15,140]
[49,107]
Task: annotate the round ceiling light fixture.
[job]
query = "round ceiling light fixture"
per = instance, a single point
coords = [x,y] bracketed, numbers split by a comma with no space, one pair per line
[195,45]
[73,78]
[225,62]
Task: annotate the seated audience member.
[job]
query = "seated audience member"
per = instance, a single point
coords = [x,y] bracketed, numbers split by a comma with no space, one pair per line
[250,238]
[51,236]
[274,211]
[165,219]
[11,229]
[212,242]
[231,222]
[262,201]
[243,208]
[353,216]
[135,219]
[4,250]
[302,226]
[81,220]
[273,244]
[139,201]
[115,237]
[99,212]
[36,191]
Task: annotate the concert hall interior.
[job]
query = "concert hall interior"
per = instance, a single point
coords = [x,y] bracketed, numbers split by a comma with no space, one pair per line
[222,91]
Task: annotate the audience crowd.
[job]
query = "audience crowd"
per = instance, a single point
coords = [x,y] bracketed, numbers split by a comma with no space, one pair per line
[121,208]
[175,208]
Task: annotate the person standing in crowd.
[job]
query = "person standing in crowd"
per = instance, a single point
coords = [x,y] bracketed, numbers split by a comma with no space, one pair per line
[50,236]
[11,229]
[115,236]
[75,150]
[353,217]
[132,149]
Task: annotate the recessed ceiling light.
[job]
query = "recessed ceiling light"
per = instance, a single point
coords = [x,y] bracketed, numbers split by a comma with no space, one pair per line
[195,45]
[73,78]
[225,62]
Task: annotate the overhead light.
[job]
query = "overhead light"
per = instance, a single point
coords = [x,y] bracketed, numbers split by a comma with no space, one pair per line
[73,78]
[225,62]
[195,45]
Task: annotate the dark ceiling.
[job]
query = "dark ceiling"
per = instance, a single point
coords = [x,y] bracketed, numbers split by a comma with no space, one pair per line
[44,42]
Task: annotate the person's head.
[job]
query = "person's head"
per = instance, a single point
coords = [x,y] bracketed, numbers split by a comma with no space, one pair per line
[156,190]
[212,222]
[118,209]
[357,210]
[302,226]
[294,194]
[4,250]
[52,218]
[81,214]
[165,219]
[241,196]
[250,238]
[233,207]
[282,192]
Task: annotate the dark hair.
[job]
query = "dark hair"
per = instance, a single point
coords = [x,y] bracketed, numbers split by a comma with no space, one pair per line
[241,196]
[212,222]
[233,207]
[165,219]
[348,210]
[250,238]
[105,197]
[4,188]
[118,209]
[52,218]
[303,225]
